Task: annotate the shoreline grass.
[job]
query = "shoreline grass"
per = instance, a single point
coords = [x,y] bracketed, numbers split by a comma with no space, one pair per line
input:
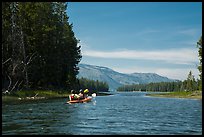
[179,94]
[34,95]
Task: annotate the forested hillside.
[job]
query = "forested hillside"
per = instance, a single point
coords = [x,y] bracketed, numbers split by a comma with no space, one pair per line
[116,79]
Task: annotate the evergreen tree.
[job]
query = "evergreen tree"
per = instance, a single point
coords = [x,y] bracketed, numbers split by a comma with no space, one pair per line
[199,45]
[189,85]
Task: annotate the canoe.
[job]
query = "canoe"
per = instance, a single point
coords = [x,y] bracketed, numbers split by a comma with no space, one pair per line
[80,101]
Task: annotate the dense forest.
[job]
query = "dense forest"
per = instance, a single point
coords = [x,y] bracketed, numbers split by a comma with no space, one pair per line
[39,48]
[92,85]
[190,84]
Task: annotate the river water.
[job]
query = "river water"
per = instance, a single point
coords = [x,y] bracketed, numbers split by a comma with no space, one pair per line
[126,113]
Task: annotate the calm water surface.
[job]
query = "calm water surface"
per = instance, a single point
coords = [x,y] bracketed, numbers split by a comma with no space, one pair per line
[122,113]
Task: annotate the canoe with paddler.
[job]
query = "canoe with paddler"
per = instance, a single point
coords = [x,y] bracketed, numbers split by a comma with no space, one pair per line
[82,97]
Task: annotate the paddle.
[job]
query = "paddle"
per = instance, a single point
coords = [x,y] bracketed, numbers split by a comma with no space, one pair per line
[93,95]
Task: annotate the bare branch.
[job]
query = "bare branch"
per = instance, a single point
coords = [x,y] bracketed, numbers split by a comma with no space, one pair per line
[10,82]
[31,58]
[6,61]
[20,83]
[14,86]
[13,72]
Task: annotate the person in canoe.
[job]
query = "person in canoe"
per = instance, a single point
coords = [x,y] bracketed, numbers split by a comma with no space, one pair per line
[83,94]
[86,91]
[79,98]
[74,96]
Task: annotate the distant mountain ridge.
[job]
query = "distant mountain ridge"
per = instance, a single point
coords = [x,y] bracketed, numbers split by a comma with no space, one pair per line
[116,79]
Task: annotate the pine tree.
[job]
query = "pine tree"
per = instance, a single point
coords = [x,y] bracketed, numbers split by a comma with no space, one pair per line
[199,45]
[190,82]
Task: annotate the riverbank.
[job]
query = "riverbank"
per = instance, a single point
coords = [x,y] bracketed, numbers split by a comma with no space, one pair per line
[38,95]
[34,95]
[179,94]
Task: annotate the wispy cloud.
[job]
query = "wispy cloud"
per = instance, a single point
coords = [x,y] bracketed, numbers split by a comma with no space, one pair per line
[146,32]
[189,32]
[175,56]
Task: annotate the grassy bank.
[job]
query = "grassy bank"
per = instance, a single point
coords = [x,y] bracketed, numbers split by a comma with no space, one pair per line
[34,95]
[180,94]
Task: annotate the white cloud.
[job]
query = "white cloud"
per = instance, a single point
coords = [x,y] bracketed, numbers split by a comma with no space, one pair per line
[175,56]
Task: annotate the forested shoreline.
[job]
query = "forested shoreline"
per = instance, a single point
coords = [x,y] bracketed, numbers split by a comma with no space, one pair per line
[94,85]
[39,48]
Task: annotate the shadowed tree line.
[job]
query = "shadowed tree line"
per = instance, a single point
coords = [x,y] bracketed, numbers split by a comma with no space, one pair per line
[93,85]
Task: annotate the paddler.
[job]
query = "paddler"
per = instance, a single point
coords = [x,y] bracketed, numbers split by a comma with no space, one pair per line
[86,91]
[81,94]
[74,96]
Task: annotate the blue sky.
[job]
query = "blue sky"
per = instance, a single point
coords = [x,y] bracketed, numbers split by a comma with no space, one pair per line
[128,37]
